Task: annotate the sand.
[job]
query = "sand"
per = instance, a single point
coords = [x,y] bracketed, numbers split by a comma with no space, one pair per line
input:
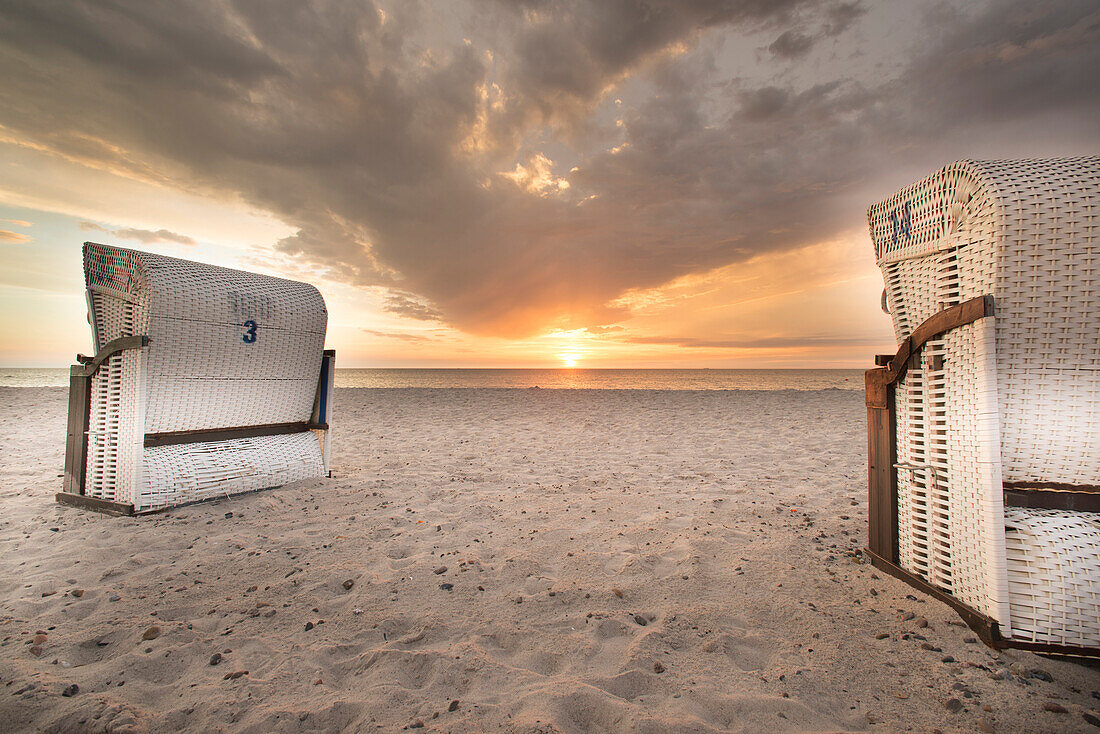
[502,560]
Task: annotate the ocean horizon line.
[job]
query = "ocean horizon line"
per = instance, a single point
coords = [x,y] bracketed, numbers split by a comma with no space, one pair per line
[572,378]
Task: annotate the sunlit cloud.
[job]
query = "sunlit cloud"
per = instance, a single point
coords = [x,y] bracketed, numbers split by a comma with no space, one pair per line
[144,236]
[537,177]
[6,235]
[398,335]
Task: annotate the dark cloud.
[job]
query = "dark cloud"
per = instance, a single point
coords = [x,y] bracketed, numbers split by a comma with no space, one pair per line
[383,136]
[841,16]
[834,19]
[144,236]
[791,44]
[411,308]
[568,52]
[1019,62]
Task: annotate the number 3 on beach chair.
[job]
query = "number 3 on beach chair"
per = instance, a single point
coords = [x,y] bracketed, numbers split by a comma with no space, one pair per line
[206,382]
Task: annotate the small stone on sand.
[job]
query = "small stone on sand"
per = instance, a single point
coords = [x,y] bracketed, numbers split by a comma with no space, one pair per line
[151,634]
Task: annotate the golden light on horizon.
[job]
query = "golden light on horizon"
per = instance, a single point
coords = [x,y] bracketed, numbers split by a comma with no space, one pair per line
[569,359]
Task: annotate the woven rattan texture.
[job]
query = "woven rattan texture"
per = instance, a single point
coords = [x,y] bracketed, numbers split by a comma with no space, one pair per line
[1026,233]
[1054,576]
[950,511]
[191,472]
[1016,397]
[115,435]
[227,348]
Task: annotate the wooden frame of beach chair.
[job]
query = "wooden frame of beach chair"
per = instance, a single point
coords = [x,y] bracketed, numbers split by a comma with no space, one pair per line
[984,427]
[206,382]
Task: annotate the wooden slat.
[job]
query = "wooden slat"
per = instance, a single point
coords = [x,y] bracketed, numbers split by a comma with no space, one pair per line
[986,627]
[1053,486]
[109,350]
[882,500]
[1052,499]
[76,434]
[85,502]
[1048,648]
[170,438]
[950,318]
[876,386]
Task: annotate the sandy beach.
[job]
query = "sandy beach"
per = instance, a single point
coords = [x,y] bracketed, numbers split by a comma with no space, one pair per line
[502,560]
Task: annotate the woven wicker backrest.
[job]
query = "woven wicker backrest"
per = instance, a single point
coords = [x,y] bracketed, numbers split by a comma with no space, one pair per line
[226,347]
[1024,232]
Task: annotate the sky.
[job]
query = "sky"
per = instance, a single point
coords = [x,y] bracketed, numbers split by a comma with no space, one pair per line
[517,183]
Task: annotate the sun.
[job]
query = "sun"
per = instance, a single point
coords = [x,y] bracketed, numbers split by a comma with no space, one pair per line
[569,360]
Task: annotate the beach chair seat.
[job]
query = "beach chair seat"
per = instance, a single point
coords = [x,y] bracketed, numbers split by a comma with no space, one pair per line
[984,427]
[207,382]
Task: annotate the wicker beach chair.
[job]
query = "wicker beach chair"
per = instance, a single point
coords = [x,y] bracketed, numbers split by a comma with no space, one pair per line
[206,382]
[984,428]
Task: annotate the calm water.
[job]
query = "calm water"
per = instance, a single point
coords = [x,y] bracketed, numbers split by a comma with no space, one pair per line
[552,378]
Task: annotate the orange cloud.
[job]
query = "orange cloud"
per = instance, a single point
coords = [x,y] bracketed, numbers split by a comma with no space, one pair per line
[6,235]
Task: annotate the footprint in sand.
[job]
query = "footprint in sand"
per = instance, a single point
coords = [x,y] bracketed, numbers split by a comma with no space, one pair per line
[587,709]
[509,650]
[747,652]
[408,669]
[630,685]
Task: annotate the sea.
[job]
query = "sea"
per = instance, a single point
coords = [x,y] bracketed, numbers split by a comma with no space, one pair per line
[547,379]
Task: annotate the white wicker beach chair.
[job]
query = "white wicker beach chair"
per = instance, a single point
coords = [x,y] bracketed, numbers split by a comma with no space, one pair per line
[207,382]
[984,428]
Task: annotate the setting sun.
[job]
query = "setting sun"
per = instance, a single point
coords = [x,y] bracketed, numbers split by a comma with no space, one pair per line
[570,360]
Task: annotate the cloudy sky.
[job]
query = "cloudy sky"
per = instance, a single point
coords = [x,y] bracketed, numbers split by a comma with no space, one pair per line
[517,183]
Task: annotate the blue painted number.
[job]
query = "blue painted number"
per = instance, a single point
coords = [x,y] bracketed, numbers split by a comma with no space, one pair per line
[250,335]
[901,223]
